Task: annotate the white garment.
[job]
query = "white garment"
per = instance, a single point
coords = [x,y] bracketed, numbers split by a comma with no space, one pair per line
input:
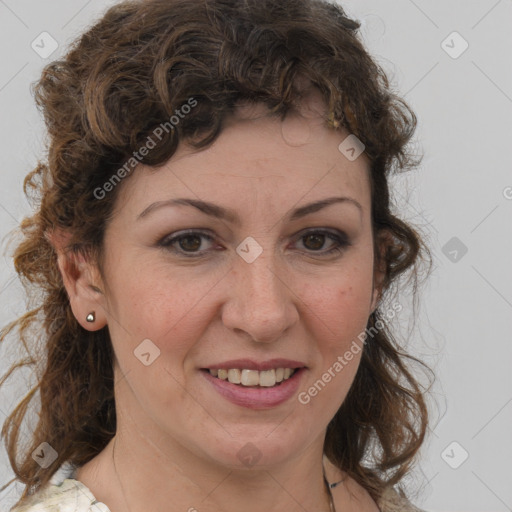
[63,494]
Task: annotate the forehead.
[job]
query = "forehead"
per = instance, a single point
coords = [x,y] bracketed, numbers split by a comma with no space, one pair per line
[257,159]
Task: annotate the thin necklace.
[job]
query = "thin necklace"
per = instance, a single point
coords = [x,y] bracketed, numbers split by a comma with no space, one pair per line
[331,501]
[329,487]
[117,475]
[327,484]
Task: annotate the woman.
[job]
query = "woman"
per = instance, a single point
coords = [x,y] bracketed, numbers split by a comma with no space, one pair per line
[252,368]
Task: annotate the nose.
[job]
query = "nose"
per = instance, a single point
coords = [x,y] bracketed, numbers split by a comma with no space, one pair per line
[261,301]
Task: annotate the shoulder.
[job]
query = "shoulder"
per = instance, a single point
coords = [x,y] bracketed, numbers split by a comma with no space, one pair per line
[62,494]
[392,501]
[356,497]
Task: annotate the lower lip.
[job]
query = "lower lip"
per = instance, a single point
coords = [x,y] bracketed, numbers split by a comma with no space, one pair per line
[256,397]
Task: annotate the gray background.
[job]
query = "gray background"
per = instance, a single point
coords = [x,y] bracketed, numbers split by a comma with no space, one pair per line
[460,197]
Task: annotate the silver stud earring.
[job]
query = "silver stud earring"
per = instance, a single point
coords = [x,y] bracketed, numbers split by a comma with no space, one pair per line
[90,317]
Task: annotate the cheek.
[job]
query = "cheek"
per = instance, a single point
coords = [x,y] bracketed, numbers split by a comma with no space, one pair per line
[340,305]
[354,290]
[338,312]
[171,308]
[344,311]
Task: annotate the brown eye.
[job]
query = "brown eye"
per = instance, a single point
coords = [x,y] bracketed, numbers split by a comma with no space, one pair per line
[190,242]
[314,241]
[187,244]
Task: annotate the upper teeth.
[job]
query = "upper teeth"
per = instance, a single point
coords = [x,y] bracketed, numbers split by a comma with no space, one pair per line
[253,377]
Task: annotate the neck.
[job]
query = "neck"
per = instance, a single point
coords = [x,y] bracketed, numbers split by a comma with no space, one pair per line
[189,483]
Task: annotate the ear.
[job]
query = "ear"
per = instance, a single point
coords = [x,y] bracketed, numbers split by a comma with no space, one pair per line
[383,239]
[82,281]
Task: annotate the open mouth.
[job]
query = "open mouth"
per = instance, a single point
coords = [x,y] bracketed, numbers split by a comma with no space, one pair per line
[255,389]
[253,378]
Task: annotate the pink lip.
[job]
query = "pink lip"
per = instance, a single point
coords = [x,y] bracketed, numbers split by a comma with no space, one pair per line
[249,364]
[256,397]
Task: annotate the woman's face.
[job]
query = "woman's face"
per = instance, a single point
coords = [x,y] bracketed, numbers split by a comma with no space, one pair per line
[247,265]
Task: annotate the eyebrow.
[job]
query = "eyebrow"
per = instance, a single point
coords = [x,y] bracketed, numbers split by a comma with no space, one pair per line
[230,215]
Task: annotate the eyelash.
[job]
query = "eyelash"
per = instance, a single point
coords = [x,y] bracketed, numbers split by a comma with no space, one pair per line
[341,240]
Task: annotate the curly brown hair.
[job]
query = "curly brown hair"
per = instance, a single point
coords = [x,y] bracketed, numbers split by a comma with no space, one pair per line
[123,77]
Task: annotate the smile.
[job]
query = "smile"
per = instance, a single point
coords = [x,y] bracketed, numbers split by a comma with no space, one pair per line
[256,389]
[246,377]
